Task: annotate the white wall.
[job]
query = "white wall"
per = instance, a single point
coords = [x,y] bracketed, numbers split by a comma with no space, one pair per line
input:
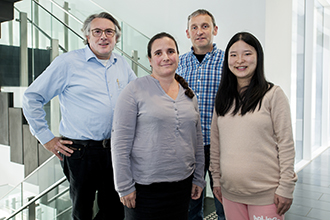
[268,20]
[10,173]
[278,44]
[151,17]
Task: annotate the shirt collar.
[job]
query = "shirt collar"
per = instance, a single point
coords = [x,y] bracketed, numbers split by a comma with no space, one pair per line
[213,50]
[207,55]
[89,55]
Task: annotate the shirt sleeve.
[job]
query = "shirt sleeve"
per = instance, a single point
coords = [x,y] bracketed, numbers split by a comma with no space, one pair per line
[48,85]
[123,132]
[131,75]
[215,151]
[281,117]
[200,158]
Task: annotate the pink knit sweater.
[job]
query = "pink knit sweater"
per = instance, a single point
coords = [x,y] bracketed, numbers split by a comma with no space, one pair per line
[252,156]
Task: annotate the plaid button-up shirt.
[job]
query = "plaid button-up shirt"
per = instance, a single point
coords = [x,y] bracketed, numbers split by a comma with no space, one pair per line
[204,79]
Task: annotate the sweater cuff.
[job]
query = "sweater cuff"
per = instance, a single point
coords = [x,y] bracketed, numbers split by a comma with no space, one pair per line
[200,183]
[286,189]
[126,192]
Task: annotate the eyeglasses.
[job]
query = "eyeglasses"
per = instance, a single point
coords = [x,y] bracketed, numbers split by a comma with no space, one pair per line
[108,32]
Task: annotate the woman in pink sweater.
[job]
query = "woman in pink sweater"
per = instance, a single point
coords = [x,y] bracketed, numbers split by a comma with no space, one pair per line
[252,147]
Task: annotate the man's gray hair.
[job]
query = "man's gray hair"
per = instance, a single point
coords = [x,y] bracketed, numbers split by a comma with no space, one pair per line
[201,12]
[87,25]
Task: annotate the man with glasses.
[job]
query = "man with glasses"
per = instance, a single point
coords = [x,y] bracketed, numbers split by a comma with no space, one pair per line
[88,82]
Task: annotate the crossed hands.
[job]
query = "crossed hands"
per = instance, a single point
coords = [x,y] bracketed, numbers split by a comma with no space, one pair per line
[129,200]
[57,146]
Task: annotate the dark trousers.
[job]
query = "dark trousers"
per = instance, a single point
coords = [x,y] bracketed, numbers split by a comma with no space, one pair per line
[161,201]
[196,206]
[89,169]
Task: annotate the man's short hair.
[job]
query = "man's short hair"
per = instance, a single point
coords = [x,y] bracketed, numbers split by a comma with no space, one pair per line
[201,12]
[87,24]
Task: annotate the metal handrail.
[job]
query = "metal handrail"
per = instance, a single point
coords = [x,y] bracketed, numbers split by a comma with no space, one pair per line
[101,8]
[63,212]
[37,197]
[59,20]
[58,195]
[39,29]
[31,174]
[120,50]
[64,11]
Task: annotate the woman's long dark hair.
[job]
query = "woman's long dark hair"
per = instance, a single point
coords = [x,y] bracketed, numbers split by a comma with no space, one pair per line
[252,95]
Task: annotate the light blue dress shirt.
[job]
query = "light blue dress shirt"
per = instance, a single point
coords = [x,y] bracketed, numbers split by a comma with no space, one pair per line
[87,90]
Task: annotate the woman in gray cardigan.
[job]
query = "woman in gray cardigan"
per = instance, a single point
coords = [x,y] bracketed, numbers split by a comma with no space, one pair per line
[157,144]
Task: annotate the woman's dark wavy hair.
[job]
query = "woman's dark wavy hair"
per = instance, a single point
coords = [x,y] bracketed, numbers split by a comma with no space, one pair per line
[178,78]
[249,97]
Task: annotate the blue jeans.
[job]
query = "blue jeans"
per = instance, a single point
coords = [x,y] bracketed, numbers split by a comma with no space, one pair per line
[89,169]
[196,206]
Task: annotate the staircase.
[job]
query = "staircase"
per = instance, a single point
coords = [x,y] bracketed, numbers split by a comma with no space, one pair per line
[24,55]
[33,34]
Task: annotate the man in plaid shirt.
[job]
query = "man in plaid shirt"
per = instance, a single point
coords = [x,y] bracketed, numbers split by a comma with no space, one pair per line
[201,67]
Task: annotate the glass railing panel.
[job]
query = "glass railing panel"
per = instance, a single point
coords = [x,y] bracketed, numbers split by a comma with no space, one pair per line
[10,52]
[55,204]
[38,54]
[131,40]
[41,13]
[41,179]
[74,42]
[81,11]
[142,72]
[11,201]
[134,42]
[69,38]
[10,32]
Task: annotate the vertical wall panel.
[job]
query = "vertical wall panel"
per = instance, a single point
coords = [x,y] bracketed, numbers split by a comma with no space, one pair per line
[6,101]
[43,154]
[30,145]
[16,135]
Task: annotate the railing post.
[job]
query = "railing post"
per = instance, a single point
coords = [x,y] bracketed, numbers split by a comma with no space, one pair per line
[32,209]
[23,50]
[11,33]
[13,206]
[66,31]
[55,49]
[55,115]
[36,21]
[136,58]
